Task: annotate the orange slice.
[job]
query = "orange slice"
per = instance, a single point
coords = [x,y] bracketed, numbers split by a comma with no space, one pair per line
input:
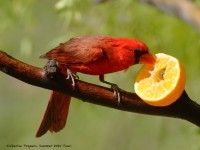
[162,83]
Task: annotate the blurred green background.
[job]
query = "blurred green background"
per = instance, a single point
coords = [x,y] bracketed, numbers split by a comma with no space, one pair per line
[30,28]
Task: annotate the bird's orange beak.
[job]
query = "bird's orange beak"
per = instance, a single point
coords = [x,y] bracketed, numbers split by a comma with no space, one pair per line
[147,59]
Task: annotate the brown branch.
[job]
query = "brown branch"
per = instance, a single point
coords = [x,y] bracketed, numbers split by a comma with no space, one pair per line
[183,108]
[184,9]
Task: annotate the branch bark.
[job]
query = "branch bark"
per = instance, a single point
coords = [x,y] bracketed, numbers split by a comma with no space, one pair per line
[183,108]
[184,9]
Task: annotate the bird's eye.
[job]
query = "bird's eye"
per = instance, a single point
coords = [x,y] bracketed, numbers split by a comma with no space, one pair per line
[137,51]
[138,54]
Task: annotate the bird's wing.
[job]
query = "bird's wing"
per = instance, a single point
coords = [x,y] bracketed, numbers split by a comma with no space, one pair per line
[78,50]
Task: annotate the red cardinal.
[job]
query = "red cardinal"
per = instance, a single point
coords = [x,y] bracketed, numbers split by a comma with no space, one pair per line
[95,55]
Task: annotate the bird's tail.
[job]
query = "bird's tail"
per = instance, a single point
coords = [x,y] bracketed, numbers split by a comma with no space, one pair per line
[56,113]
[57,109]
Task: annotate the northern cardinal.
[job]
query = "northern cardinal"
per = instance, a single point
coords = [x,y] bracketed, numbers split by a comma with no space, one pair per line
[94,55]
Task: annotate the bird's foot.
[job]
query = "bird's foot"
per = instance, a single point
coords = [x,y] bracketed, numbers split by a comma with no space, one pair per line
[117,94]
[72,77]
[114,87]
[51,68]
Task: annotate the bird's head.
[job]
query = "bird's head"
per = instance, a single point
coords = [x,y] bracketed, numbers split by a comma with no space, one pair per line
[141,53]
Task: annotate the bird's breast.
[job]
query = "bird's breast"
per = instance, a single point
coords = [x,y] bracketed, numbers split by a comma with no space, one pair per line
[101,67]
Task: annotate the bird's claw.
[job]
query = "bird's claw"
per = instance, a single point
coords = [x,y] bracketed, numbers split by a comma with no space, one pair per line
[114,87]
[72,77]
[116,90]
[51,68]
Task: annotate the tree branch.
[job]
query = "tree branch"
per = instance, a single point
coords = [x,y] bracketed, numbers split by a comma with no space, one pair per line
[184,9]
[183,108]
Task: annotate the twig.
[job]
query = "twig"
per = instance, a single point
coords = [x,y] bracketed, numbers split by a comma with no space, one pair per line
[187,10]
[183,108]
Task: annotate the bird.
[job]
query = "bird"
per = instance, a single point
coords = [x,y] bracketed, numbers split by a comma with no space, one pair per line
[93,55]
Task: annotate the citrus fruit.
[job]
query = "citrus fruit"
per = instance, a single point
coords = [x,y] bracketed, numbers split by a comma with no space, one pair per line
[161,83]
